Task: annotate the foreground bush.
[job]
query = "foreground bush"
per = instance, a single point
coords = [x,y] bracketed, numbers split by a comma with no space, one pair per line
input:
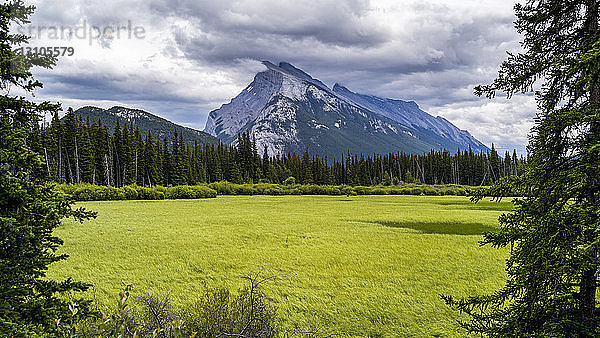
[215,313]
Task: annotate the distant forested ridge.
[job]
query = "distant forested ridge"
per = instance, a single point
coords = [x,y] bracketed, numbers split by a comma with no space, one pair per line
[90,152]
[145,121]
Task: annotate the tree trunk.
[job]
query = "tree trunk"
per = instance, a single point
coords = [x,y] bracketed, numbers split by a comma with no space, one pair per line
[47,163]
[136,166]
[60,168]
[107,170]
[588,280]
[77,180]
[69,166]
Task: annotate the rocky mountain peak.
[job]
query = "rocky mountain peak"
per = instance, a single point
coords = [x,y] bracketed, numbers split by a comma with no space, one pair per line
[289,110]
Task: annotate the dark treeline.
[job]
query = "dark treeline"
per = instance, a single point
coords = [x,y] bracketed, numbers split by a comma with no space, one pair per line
[78,152]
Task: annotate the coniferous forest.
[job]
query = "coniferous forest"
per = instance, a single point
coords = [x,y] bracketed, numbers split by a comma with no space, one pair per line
[88,152]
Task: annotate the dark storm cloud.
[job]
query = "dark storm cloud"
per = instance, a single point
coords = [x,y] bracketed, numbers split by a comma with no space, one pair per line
[108,86]
[332,22]
[332,48]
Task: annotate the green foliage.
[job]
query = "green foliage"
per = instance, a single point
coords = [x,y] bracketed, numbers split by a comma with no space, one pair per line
[554,232]
[313,189]
[30,209]
[89,192]
[290,181]
[409,178]
[219,312]
[215,312]
[223,188]
[125,157]
[190,192]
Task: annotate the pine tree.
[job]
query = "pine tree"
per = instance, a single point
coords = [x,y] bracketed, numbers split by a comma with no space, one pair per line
[127,156]
[86,155]
[30,209]
[177,165]
[117,151]
[234,172]
[554,231]
[54,133]
[99,139]
[160,177]
[494,162]
[166,163]
[150,167]
[69,147]
[307,172]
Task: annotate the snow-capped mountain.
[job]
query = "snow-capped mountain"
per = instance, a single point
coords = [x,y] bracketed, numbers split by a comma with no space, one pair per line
[409,114]
[288,110]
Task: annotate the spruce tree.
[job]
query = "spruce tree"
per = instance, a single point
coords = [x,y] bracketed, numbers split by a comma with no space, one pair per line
[53,144]
[86,155]
[138,157]
[306,176]
[554,232]
[160,177]
[117,151]
[127,156]
[150,167]
[30,209]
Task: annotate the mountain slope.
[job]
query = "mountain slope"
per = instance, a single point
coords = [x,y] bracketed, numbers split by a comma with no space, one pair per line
[158,126]
[288,110]
[410,115]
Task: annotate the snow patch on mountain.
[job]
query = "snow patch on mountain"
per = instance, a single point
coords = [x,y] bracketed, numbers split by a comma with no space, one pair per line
[408,114]
[285,108]
[276,126]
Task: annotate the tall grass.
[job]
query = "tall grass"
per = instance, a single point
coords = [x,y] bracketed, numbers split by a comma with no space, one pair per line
[363,265]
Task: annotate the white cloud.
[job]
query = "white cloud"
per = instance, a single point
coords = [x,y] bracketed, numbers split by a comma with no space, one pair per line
[506,123]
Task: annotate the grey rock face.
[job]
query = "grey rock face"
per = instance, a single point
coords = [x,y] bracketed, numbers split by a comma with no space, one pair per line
[288,110]
[408,114]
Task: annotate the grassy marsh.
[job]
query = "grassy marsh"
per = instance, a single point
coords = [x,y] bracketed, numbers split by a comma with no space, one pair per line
[364,265]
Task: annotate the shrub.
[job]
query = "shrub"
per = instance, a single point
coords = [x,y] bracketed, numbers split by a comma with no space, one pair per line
[348,191]
[89,192]
[290,181]
[399,191]
[333,191]
[86,193]
[379,191]
[218,313]
[362,190]
[190,192]
[273,191]
[130,192]
[215,313]
[295,191]
[223,188]
[244,190]
[155,317]
[145,193]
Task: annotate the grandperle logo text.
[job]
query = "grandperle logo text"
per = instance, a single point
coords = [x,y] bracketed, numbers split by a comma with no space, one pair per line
[84,31]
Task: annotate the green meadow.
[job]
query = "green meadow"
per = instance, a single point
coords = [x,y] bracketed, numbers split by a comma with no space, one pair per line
[361,265]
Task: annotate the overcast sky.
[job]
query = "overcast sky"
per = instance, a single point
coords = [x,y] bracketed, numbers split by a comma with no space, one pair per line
[180,59]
